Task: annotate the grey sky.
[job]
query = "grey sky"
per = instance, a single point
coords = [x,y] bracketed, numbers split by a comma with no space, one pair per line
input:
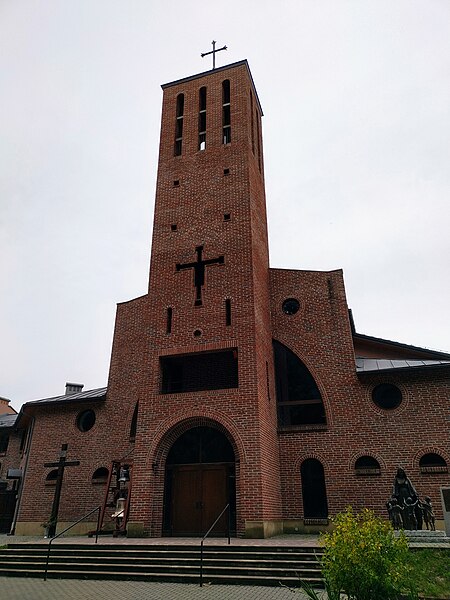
[356,96]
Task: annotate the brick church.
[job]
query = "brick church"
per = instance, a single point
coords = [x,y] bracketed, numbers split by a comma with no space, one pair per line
[230,383]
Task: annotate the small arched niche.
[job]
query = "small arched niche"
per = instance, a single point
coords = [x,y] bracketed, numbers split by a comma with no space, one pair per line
[367,465]
[51,478]
[432,463]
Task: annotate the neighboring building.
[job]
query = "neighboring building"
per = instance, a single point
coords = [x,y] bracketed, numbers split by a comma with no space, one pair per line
[231,382]
[10,443]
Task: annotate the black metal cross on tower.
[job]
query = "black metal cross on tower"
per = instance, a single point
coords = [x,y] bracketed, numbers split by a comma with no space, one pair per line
[199,271]
[61,464]
[213,52]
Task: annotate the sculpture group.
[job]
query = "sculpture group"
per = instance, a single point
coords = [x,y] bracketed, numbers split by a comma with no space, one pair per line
[406,510]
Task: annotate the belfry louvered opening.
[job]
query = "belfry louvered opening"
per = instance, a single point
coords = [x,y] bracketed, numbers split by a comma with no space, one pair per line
[199,371]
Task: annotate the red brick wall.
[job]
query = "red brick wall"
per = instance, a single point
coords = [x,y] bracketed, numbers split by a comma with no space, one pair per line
[320,335]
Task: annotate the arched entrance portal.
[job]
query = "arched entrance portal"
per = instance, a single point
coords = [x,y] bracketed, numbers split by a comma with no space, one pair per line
[199,482]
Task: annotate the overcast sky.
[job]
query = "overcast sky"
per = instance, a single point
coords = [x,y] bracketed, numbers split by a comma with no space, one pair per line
[356,97]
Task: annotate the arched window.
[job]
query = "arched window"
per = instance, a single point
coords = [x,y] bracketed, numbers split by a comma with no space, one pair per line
[433,463]
[367,465]
[226,112]
[315,505]
[51,478]
[298,397]
[133,427]
[202,119]
[179,125]
[100,475]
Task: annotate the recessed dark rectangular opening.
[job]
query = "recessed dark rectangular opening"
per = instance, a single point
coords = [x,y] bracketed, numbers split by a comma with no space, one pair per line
[227,217]
[199,371]
[169,320]
[226,115]
[226,171]
[228,312]
[176,182]
[173,227]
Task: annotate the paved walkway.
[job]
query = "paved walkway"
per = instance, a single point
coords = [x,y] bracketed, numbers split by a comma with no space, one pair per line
[18,588]
[279,540]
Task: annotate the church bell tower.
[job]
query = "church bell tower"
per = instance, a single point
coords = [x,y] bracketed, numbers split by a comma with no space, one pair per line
[203,366]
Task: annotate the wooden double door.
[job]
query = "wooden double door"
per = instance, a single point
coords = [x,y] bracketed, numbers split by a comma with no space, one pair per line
[199,483]
[198,495]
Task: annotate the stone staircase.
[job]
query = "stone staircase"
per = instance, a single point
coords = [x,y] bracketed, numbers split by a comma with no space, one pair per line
[421,538]
[244,565]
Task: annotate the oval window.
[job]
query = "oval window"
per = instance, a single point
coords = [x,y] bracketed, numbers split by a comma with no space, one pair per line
[387,396]
[290,306]
[86,420]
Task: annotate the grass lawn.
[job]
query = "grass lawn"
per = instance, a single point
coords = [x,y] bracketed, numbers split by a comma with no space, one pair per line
[431,572]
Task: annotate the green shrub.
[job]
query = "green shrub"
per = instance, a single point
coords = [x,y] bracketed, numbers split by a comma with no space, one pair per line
[365,560]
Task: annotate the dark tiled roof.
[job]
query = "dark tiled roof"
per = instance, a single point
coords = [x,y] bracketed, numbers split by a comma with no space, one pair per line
[97,394]
[372,365]
[7,420]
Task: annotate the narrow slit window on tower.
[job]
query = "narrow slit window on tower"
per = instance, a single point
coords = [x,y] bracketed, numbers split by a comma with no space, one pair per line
[226,112]
[252,123]
[202,119]
[179,125]
[169,319]
[258,135]
[227,312]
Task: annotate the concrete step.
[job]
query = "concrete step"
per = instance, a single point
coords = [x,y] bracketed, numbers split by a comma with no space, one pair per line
[421,536]
[221,564]
[174,577]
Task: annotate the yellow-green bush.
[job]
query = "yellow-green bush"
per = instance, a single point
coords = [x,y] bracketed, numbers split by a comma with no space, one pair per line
[365,560]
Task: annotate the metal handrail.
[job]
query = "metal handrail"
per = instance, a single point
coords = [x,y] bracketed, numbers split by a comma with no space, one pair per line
[227,508]
[67,529]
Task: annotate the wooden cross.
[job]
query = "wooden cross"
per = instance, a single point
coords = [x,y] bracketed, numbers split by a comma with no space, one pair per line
[199,271]
[61,464]
[213,52]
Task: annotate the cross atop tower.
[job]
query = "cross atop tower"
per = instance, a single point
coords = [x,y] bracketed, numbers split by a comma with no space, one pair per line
[213,52]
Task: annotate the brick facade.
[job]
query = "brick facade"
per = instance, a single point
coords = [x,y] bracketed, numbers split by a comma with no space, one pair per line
[210,206]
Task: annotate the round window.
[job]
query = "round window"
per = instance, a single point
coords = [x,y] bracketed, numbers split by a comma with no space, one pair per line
[387,396]
[86,420]
[290,306]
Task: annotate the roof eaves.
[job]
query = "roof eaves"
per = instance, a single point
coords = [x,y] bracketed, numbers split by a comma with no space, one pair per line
[369,338]
[404,369]
[217,70]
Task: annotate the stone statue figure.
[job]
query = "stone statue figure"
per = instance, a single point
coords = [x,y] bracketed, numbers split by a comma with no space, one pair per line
[395,513]
[408,499]
[428,513]
[410,513]
[403,488]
